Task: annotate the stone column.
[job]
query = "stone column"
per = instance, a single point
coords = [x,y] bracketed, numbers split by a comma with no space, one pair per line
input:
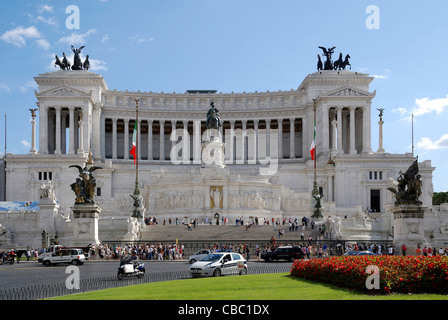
[243,144]
[255,157]
[268,138]
[280,138]
[43,130]
[96,130]
[339,119]
[185,144]
[197,142]
[58,131]
[232,141]
[173,131]
[366,141]
[334,147]
[292,138]
[352,130]
[330,188]
[150,157]
[81,135]
[126,139]
[305,146]
[103,137]
[33,136]
[114,138]
[162,140]
[325,129]
[71,147]
[380,148]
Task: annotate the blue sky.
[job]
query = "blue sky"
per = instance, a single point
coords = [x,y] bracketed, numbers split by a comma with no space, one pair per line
[236,46]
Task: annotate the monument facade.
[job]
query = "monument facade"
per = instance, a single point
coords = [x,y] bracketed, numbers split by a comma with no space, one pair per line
[203,153]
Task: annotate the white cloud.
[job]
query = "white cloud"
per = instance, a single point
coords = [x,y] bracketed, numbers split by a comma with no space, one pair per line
[77,39]
[18,35]
[97,65]
[45,8]
[25,143]
[51,21]
[138,39]
[44,44]
[379,76]
[424,106]
[105,38]
[426,143]
[28,85]
[427,105]
[5,87]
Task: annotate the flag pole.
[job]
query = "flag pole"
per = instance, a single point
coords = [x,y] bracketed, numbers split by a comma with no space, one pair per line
[412,134]
[315,191]
[136,149]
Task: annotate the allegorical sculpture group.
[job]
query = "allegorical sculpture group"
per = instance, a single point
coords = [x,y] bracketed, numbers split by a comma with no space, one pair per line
[408,186]
[85,184]
[339,64]
[64,64]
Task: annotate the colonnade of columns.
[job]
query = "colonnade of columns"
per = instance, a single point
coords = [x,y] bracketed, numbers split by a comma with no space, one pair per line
[53,124]
[345,130]
[259,136]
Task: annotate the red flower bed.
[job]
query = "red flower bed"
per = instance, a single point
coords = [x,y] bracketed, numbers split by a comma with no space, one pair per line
[397,274]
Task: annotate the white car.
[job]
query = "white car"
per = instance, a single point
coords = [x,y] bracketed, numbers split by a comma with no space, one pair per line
[199,255]
[49,252]
[69,256]
[219,263]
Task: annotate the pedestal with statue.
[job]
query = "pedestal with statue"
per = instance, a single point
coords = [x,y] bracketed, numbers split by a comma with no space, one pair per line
[213,162]
[85,210]
[408,210]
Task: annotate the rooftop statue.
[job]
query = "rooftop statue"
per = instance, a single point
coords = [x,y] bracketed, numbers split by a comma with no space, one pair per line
[339,64]
[64,64]
[77,64]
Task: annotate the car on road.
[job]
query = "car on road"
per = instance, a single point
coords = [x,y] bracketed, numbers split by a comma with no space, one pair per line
[68,256]
[219,263]
[199,255]
[289,253]
[359,253]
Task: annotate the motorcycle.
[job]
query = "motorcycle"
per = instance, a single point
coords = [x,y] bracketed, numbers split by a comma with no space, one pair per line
[130,268]
[8,258]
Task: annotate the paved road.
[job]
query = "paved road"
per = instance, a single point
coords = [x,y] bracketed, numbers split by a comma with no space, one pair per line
[29,273]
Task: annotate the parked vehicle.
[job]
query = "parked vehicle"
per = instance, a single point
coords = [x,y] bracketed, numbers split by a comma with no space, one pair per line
[69,256]
[49,252]
[129,268]
[219,263]
[199,255]
[289,253]
[52,249]
[359,253]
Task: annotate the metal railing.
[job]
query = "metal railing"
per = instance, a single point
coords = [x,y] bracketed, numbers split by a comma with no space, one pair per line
[335,247]
[49,290]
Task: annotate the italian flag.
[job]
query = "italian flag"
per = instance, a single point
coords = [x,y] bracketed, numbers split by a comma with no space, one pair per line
[313,144]
[134,142]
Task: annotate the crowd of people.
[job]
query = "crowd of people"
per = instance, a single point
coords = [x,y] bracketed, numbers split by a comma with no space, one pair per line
[146,251]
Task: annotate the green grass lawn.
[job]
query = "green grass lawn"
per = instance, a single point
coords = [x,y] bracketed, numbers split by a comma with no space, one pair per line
[250,287]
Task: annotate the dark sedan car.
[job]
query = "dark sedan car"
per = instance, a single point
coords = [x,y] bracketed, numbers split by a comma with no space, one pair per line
[359,253]
[289,253]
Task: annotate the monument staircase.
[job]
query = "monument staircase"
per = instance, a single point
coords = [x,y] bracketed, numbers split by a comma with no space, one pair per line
[226,232]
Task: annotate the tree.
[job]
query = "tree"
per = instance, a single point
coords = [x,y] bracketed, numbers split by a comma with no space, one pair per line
[439,198]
